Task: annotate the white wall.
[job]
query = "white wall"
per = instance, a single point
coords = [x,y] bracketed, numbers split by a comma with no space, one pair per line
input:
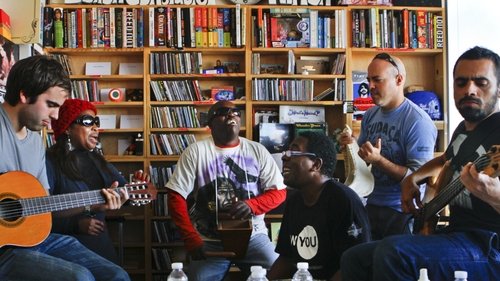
[470,23]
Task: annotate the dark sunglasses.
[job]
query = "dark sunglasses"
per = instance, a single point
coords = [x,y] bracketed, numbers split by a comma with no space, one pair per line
[224,111]
[88,121]
[293,153]
[387,58]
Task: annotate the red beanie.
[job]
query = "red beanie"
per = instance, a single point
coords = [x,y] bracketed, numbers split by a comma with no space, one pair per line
[69,111]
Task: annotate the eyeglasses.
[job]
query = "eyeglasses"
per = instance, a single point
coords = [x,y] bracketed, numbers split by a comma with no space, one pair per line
[387,58]
[88,121]
[293,153]
[224,111]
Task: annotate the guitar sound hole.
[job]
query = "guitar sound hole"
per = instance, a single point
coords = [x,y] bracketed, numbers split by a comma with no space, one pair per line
[10,209]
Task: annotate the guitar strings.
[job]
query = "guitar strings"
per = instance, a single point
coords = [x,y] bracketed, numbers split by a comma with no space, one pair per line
[15,208]
[455,186]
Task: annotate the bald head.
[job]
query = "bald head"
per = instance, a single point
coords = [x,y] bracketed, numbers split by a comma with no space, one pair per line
[393,61]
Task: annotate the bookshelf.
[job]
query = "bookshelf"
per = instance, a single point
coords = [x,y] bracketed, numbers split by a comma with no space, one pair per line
[177,71]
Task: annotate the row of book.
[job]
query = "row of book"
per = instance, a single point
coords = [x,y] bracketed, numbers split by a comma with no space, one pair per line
[174,117]
[334,64]
[202,27]
[298,27]
[382,28]
[282,89]
[165,231]
[65,61]
[176,63]
[337,92]
[85,90]
[97,27]
[161,258]
[161,174]
[170,144]
[176,90]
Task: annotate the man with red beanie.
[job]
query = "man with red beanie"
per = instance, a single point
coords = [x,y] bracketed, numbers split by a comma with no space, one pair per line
[224,173]
[36,87]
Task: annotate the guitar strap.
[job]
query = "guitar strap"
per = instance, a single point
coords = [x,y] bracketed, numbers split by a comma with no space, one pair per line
[484,130]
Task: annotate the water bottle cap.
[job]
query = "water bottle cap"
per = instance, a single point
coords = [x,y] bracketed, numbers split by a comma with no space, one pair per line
[461,274]
[302,265]
[177,265]
[423,275]
[255,267]
[259,273]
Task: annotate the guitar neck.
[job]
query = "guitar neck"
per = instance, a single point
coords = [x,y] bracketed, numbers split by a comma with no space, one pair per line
[38,205]
[451,191]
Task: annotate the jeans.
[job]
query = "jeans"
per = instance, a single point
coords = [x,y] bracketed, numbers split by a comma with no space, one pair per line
[260,252]
[59,257]
[400,257]
[385,221]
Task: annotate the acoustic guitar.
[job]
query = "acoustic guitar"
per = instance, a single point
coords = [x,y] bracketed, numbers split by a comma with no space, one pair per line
[25,218]
[427,218]
[358,174]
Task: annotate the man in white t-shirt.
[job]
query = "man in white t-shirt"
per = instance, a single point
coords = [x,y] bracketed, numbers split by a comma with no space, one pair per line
[206,170]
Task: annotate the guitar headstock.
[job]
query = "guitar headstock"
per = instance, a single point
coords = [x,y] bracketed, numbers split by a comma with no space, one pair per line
[493,167]
[141,193]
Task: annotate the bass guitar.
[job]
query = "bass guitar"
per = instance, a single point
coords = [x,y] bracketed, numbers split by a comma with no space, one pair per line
[427,218]
[25,218]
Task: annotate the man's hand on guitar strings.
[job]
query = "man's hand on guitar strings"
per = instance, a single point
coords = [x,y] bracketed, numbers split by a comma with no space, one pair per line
[410,195]
[483,186]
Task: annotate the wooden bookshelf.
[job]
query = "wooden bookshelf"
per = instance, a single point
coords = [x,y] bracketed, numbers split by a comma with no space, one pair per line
[425,66]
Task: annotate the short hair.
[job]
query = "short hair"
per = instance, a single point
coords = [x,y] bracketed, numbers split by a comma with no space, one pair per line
[33,76]
[478,53]
[324,148]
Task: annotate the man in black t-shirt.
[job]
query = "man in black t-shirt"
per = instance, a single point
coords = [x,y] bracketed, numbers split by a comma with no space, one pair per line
[323,218]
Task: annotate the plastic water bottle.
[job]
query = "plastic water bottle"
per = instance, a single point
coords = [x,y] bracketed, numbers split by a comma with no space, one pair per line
[460,275]
[302,273]
[423,275]
[177,274]
[259,274]
[252,269]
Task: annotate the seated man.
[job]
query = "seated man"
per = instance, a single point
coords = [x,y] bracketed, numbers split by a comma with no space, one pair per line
[323,218]
[470,242]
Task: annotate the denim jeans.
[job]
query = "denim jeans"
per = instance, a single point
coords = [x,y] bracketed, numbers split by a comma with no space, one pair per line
[400,257]
[59,257]
[260,252]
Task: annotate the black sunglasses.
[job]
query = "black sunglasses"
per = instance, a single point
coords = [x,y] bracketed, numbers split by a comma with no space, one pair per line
[387,58]
[88,121]
[293,153]
[224,111]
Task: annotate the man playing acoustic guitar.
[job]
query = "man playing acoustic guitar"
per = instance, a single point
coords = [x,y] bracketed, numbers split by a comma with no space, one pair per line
[471,242]
[36,88]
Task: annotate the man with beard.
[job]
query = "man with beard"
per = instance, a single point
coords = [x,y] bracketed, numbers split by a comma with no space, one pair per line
[396,138]
[471,242]
[322,219]
[209,168]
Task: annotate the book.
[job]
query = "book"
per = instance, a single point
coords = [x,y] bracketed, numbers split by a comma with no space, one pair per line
[327,94]
[275,137]
[269,115]
[222,93]
[272,69]
[290,32]
[362,99]
[299,127]
[297,113]
[438,32]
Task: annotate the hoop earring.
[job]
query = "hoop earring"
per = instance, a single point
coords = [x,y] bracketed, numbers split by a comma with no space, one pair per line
[69,146]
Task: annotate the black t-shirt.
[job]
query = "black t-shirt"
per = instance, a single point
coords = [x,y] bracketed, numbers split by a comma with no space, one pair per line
[319,234]
[466,210]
